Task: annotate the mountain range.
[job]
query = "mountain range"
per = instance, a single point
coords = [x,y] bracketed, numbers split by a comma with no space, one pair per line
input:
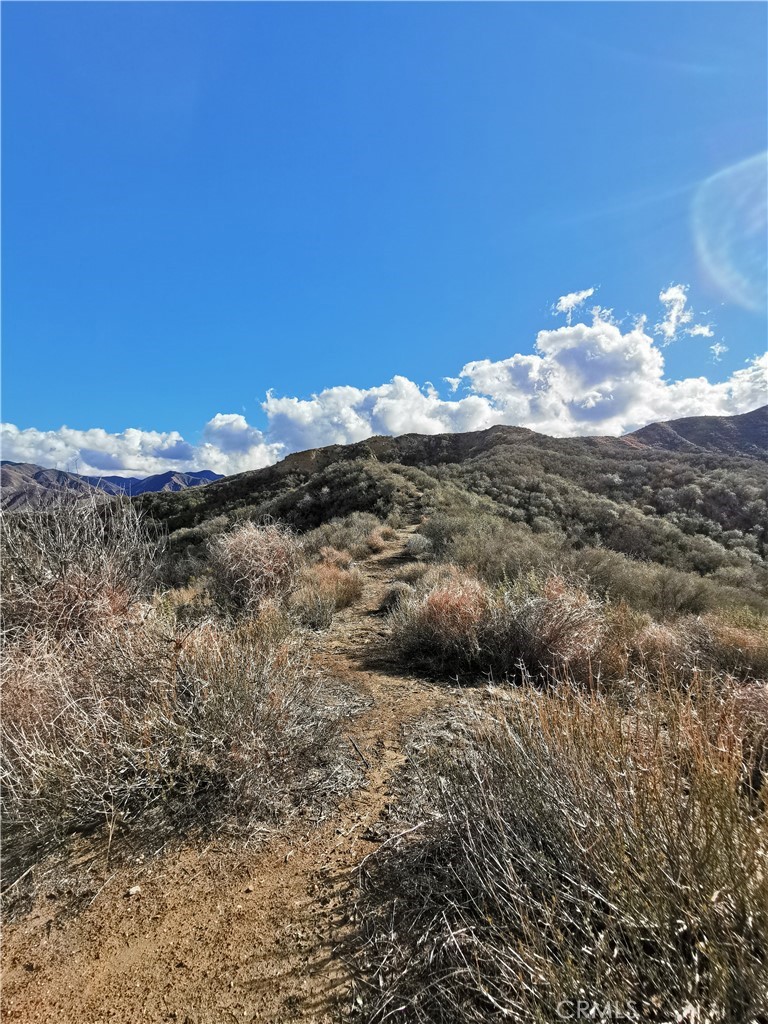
[25,485]
[727,437]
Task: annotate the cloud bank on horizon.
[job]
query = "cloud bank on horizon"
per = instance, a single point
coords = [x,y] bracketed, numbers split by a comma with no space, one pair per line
[582,378]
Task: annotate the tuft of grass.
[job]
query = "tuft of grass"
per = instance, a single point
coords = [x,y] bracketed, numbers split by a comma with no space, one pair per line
[418,546]
[568,849]
[325,588]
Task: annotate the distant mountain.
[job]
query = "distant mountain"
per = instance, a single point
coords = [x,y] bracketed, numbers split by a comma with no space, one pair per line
[728,435]
[24,485]
[161,482]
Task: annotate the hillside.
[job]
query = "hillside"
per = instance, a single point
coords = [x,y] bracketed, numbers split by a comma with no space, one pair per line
[694,510]
[25,485]
[267,770]
[343,902]
[727,435]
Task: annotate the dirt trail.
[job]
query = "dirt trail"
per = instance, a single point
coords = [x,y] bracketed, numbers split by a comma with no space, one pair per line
[214,935]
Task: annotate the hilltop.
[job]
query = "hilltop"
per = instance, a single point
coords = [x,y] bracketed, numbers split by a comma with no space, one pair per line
[728,435]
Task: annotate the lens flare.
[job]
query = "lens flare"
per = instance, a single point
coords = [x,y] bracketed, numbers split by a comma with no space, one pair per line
[730,224]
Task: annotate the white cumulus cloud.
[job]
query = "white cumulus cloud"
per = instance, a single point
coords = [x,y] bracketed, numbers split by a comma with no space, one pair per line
[582,378]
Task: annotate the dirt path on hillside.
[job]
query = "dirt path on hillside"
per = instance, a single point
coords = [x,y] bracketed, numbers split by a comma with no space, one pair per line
[214,935]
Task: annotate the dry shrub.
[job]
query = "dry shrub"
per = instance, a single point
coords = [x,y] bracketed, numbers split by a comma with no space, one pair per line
[418,546]
[74,567]
[161,733]
[379,537]
[459,625]
[685,647]
[398,592]
[187,606]
[570,851]
[252,562]
[438,626]
[751,715]
[732,646]
[544,622]
[359,533]
[325,588]
[345,585]
[313,608]
[139,721]
[332,556]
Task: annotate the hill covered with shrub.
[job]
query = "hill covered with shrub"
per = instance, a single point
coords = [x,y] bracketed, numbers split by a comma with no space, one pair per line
[603,501]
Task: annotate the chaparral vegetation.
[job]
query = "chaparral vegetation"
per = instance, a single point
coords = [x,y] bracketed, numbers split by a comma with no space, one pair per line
[582,808]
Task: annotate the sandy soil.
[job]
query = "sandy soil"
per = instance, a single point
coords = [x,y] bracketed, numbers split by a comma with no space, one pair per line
[217,935]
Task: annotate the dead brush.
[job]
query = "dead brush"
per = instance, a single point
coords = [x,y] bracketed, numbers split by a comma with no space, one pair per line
[571,850]
[163,734]
[75,566]
[543,622]
[253,562]
[538,624]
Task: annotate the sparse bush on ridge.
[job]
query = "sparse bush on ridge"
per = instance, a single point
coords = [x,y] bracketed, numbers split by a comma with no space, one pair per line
[571,850]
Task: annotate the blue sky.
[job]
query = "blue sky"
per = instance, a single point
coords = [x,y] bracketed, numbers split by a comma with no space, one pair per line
[203,202]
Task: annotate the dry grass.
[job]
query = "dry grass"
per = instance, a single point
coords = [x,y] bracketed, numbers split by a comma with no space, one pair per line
[571,850]
[325,588]
[634,642]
